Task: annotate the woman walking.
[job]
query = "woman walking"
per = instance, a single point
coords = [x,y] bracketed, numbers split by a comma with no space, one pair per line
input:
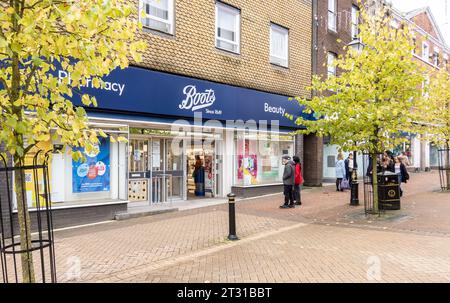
[400,170]
[298,181]
[340,171]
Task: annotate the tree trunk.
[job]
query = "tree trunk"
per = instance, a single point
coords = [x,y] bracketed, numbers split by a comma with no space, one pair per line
[23,216]
[375,183]
[19,176]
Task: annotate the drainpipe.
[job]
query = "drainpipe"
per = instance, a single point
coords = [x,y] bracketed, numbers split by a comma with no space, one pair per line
[314,46]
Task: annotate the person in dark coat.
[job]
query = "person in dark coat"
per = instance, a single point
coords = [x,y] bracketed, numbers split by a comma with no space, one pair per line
[288,182]
[348,167]
[401,171]
[199,177]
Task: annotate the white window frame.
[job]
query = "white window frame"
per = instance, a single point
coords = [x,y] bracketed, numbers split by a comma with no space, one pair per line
[332,25]
[426,56]
[284,31]
[233,10]
[436,55]
[170,20]
[354,25]
[334,71]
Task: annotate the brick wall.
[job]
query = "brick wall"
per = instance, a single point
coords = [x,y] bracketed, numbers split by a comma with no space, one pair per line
[423,21]
[328,39]
[191,50]
[313,160]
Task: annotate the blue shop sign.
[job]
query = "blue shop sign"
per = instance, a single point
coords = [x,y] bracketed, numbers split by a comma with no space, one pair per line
[145,91]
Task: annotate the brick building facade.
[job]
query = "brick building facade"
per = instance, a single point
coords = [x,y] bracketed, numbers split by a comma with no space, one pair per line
[191,49]
[433,53]
[332,38]
[229,60]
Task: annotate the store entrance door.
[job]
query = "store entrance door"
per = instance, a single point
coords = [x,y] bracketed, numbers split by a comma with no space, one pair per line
[201,181]
[156,171]
[167,172]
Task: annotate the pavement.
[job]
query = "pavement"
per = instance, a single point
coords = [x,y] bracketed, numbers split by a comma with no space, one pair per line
[324,240]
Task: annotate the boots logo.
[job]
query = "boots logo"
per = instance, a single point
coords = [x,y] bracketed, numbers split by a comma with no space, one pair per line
[197,100]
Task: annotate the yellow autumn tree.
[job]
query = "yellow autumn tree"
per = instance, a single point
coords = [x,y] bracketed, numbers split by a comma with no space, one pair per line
[88,39]
[438,113]
[375,96]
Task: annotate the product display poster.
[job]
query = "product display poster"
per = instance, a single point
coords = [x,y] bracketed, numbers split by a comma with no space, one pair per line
[208,173]
[92,175]
[156,157]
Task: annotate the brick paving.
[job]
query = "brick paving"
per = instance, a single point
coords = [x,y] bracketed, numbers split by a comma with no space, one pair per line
[324,240]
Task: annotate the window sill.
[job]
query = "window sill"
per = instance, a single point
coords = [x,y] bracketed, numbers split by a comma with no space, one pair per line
[258,185]
[73,204]
[279,67]
[156,32]
[228,53]
[332,31]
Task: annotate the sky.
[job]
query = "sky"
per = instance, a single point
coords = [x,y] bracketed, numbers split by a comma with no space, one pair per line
[438,9]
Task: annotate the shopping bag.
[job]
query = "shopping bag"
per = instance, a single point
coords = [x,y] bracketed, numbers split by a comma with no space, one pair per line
[345,184]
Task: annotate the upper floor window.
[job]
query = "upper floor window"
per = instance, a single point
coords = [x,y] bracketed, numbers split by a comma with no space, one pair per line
[445,61]
[436,57]
[425,52]
[331,68]
[227,27]
[279,45]
[158,15]
[355,14]
[332,15]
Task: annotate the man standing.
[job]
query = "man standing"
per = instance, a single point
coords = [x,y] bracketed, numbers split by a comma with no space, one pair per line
[288,182]
[348,166]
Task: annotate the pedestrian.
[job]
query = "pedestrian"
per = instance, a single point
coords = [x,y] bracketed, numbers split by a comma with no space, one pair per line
[402,173]
[405,159]
[340,171]
[288,182]
[298,181]
[388,162]
[199,177]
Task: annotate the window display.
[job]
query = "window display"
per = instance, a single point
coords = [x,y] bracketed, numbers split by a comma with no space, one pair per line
[92,175]
[258,158]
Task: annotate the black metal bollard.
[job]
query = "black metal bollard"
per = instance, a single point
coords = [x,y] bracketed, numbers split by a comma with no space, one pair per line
[232,217]
[354,200]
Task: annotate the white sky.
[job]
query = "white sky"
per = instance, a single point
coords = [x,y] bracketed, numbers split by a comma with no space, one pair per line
[438,9]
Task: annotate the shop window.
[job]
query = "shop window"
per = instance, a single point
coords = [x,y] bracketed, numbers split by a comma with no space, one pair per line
[258,159]
[158,15]
[279,45]
[331,161]
[93,173]
[227,28]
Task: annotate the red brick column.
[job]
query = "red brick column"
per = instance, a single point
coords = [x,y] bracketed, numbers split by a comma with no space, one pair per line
[313,160]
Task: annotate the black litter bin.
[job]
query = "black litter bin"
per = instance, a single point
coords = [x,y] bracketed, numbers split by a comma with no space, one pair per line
[388,191]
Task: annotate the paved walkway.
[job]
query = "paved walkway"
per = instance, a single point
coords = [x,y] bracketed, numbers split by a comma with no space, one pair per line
[324,240]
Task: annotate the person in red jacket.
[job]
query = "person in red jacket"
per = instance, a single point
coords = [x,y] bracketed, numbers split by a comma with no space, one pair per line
[298,181]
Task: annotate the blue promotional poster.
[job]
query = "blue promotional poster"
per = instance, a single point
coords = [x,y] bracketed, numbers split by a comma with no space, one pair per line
[92,175]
